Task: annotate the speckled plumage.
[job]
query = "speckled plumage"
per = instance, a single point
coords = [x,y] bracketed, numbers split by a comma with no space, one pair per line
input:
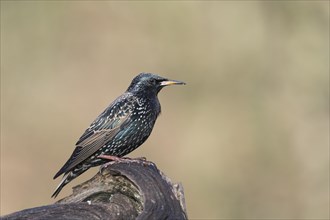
[122,127]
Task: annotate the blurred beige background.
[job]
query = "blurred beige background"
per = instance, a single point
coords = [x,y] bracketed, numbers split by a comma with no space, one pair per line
[248,136]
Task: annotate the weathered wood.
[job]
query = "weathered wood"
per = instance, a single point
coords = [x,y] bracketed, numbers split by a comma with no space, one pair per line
[130,189]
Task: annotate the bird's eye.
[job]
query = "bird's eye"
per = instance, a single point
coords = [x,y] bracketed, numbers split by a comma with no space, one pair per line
[158,81]
[154,81]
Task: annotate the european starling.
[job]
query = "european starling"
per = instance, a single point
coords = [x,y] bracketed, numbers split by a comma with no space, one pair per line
[122,127]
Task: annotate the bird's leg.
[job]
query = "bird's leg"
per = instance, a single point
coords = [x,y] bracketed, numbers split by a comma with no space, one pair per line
[115,159]
[109,157]
[138,158]
[119,159]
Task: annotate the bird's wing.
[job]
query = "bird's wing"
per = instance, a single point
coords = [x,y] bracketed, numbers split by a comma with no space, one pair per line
[101,131]
[94,142]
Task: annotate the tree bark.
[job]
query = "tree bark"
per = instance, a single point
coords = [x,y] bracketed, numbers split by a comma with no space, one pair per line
[128,189]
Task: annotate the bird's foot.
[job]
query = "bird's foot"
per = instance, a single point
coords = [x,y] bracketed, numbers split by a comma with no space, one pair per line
[121,159]
[109,157]
[136,159]
[115,159]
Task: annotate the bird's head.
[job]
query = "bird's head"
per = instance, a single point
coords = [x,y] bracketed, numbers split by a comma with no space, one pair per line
[149,83]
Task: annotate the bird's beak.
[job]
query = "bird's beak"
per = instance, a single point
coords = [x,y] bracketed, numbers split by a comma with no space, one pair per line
[171,82]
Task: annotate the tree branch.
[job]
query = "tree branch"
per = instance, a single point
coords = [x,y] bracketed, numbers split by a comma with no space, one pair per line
[129,189]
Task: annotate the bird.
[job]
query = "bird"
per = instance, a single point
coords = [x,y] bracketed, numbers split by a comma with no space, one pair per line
[121,128]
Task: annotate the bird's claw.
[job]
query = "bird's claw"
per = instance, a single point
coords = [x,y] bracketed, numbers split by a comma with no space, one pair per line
[115,159]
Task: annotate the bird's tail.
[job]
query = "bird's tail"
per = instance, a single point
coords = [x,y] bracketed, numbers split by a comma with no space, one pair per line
[66,179]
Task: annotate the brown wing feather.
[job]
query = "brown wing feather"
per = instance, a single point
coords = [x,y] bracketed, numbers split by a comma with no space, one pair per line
[93,143]
[101,131]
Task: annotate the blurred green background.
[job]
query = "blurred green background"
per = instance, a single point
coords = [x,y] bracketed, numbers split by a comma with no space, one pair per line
[248,136]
